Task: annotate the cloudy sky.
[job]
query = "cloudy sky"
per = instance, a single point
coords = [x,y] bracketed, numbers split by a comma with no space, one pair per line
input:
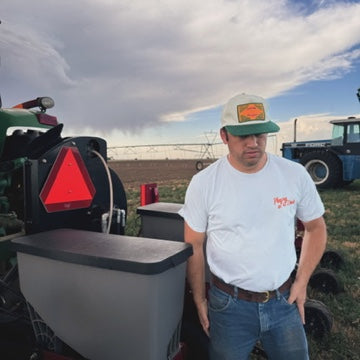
[158,71]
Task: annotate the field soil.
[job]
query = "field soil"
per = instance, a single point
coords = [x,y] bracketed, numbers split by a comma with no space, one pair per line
[133,173]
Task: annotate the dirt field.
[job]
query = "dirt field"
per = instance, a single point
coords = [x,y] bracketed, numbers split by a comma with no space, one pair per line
[135,172]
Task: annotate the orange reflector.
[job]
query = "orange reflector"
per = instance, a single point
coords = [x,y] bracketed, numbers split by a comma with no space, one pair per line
[68,185]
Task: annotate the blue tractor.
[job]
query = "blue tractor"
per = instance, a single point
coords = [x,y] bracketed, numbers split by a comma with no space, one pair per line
[334,162]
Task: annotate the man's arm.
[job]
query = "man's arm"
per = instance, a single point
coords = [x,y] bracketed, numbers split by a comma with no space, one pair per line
[312,249]
[196,273]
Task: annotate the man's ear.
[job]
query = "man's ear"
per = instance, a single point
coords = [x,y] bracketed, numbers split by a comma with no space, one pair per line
[224,135]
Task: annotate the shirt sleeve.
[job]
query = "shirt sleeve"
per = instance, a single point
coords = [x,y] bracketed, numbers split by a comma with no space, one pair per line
[194,209]
[310,206]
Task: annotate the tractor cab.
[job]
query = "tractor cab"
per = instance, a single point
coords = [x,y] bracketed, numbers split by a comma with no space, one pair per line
[346,132]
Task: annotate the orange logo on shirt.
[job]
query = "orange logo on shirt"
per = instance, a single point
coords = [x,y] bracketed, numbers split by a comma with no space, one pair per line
[284,201]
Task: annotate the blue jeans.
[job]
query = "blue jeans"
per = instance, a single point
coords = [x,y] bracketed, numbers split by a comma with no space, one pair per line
[237,325]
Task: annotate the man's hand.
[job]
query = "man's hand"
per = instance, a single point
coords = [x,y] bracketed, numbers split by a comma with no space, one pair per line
[196,274]
[312,249]
[298,295]
[203,316]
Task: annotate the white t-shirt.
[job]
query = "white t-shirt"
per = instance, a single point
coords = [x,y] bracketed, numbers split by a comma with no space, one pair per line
[249,219]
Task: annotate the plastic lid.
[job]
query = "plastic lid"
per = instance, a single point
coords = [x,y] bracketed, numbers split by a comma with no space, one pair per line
[116,252]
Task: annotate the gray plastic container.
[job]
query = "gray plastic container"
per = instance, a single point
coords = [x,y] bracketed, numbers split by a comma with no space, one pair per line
[106,296]
[161,221]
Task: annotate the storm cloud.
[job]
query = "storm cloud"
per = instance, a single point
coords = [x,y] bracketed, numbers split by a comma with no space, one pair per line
[129,65]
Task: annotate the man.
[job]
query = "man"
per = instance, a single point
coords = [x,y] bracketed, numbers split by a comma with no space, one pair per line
[245,205]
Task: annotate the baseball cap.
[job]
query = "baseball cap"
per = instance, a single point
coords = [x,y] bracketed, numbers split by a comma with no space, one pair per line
[247,115]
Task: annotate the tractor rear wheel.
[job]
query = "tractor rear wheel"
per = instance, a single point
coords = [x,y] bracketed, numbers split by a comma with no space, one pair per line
[324,168]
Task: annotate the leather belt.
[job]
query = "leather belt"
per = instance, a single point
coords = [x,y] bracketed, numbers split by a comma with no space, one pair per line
[242,294]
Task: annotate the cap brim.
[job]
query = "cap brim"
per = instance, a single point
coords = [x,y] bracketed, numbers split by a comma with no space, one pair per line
[252,129]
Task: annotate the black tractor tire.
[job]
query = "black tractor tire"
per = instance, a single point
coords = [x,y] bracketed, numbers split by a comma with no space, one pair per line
[324,168]
[199,165]
[332,260]
[326,281]
[318,319]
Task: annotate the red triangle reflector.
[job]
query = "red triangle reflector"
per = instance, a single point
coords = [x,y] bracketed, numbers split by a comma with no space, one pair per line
[68,185]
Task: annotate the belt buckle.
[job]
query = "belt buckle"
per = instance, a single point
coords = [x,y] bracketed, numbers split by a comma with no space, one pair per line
[267,296]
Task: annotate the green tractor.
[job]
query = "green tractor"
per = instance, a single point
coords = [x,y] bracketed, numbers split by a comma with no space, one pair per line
[21,128]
